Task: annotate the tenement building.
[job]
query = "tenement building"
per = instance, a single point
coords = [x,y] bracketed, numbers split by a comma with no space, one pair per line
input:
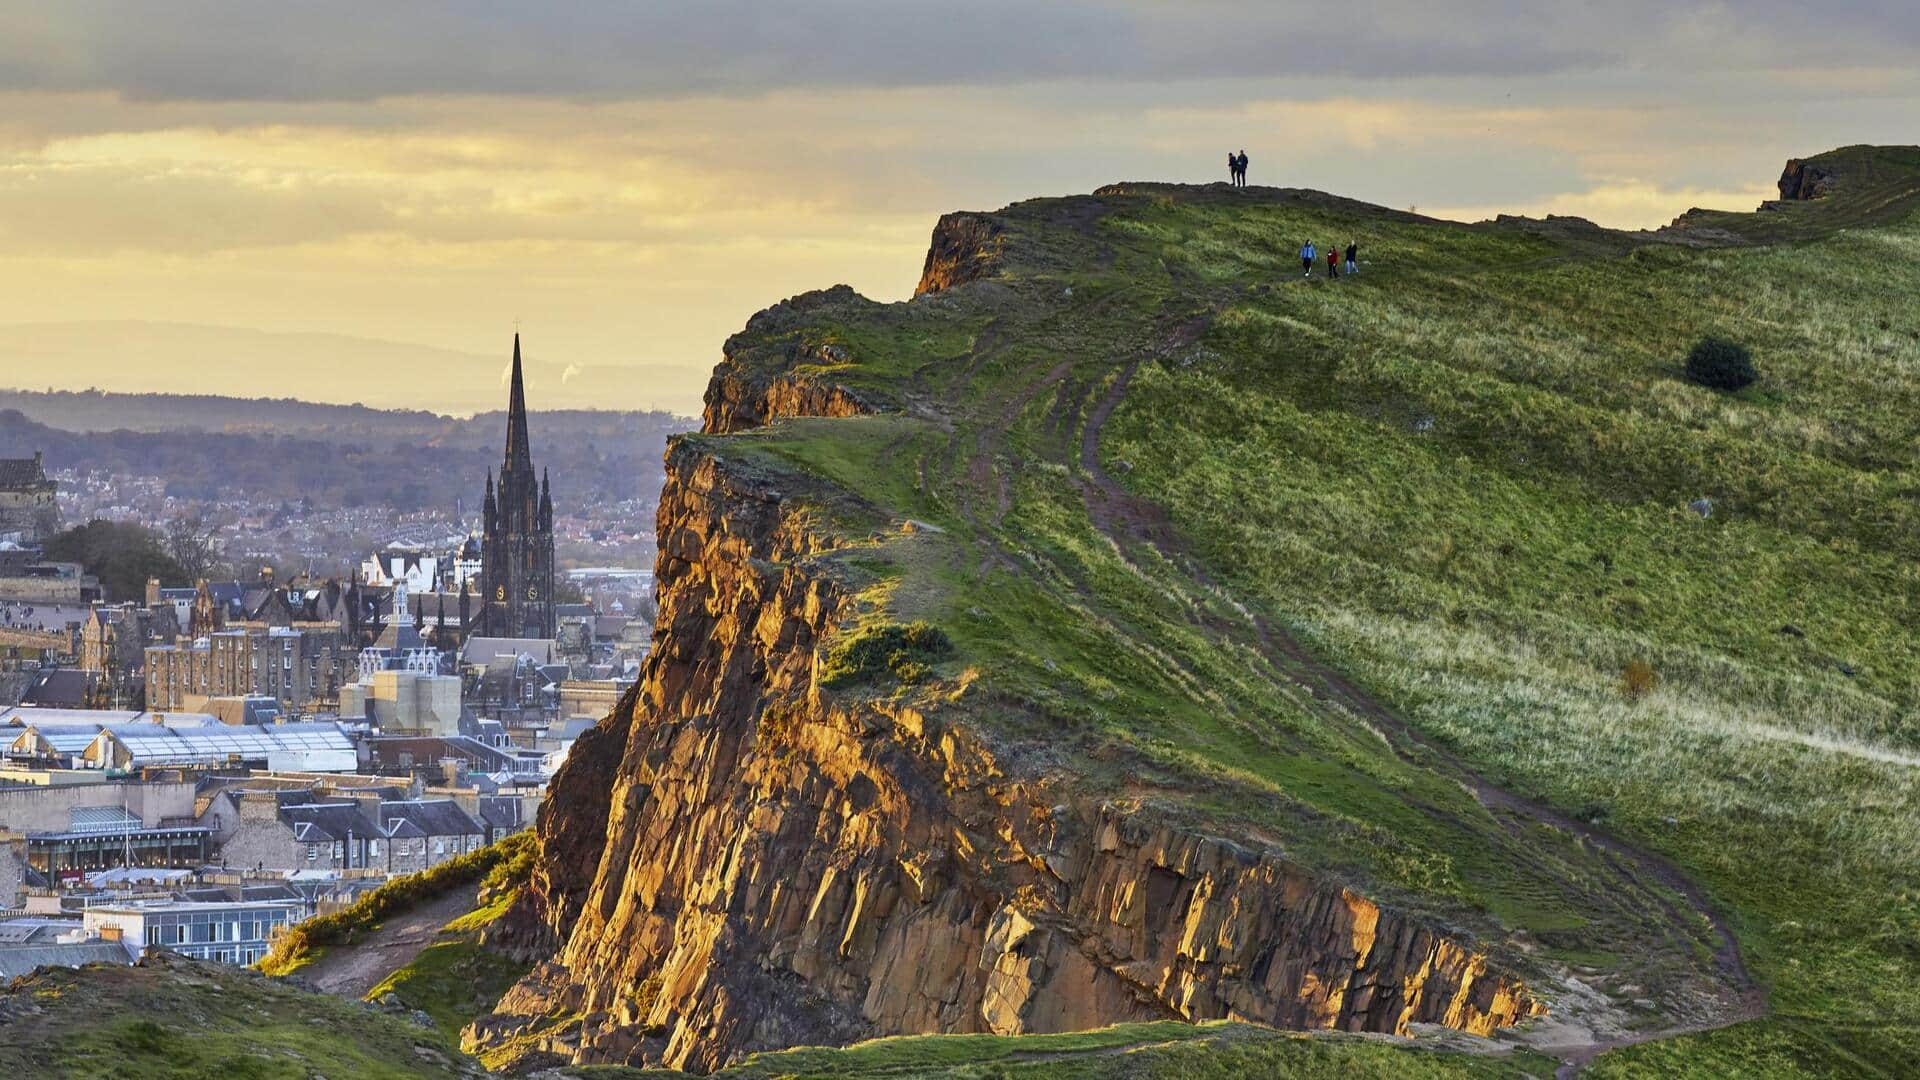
[28,513]
[516,543]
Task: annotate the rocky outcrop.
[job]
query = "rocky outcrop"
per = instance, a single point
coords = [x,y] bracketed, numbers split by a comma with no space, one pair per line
[963,249]
[1802,180]
[738,860]
[736,402]
[757,383]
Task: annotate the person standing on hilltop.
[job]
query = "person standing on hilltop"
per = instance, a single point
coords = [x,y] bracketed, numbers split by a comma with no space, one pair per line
[1353,257]
[1242,168]
[1233,168]
[1306,259]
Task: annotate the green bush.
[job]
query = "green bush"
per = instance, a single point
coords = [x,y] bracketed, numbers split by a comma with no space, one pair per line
[1720,364]
[492,863]
[906,651]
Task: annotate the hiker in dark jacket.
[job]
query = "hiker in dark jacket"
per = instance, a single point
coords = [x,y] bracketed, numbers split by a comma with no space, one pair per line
[1242,168]
[1353,256]
[1306,258]
[1233,168]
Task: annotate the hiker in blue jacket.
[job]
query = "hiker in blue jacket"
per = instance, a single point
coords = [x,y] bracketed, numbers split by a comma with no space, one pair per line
[1306,259]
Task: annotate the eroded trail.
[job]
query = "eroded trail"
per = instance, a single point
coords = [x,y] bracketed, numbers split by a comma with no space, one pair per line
[351,970]
[1126,519]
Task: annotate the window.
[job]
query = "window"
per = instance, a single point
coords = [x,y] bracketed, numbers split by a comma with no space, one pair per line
[439,847]
[373,848]
[313,852]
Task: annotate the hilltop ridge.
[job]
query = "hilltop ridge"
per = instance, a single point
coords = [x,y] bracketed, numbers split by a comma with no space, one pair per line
[1115,629]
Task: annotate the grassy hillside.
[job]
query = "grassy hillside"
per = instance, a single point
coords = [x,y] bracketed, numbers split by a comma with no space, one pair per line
[1321,562]
[1151,1051]
[178,1019]
[498,867]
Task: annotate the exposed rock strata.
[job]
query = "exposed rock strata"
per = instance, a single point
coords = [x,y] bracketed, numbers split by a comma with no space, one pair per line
[736,862]
[963,248]
[1801,181]
[748,393]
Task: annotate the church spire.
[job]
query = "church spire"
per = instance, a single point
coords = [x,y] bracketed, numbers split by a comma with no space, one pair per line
[546,502]
[519,456]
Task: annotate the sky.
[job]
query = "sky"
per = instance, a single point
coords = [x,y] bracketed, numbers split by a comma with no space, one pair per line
[362,201]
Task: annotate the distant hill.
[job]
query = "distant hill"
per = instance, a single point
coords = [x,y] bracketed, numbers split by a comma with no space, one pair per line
[206,446]
[179,358]
[98,410]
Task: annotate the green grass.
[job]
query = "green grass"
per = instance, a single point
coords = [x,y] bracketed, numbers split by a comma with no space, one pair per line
[1784,1048]
[455,979]
[901,651]
[182,1020]
[1143,1051]
[509,859]
[1462,478]
[1492,565]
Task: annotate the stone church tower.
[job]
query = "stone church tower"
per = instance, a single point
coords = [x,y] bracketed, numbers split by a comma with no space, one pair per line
[516,545]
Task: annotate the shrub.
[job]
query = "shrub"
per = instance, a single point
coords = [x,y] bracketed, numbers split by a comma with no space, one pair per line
[513,854]
[1720,364]
[1637,680]
[904,650]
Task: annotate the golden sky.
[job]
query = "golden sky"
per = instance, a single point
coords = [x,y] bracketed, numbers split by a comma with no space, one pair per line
[355,202]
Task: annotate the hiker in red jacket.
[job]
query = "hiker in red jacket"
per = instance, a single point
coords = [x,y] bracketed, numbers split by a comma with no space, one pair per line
[1333,261]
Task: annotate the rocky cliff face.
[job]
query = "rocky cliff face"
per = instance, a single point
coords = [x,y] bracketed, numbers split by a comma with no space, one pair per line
[1801,180]
[745,395]
[737,860]
[963,248]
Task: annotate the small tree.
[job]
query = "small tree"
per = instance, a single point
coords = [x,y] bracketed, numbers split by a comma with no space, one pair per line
[1637,680]
[1719,364]
[192,545]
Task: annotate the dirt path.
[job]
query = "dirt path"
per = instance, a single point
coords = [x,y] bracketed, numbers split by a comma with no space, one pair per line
[1123,518]
[350,971]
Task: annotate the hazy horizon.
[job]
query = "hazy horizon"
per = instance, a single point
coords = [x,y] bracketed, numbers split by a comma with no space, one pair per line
[630,183]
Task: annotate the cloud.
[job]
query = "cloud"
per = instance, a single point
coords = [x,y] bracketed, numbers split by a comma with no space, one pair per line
[1621,203]
[612,49]
[637,179]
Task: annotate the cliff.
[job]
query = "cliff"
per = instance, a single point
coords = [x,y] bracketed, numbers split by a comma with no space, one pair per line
[780,868]
[1122,784]
[739,860]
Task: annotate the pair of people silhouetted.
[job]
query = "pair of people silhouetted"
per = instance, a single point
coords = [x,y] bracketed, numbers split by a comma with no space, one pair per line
[1237,168]
[1308,253]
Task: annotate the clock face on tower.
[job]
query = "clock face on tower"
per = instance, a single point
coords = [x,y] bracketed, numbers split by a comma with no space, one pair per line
[533,592]
[499,592]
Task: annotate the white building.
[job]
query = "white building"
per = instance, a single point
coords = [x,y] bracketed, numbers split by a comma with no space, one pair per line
[411,567]
[234,933]
[311,747]
[399,701]
[424,572]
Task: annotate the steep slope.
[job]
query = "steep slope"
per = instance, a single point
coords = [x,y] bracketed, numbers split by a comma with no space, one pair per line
[170,1018]
[1126,629]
